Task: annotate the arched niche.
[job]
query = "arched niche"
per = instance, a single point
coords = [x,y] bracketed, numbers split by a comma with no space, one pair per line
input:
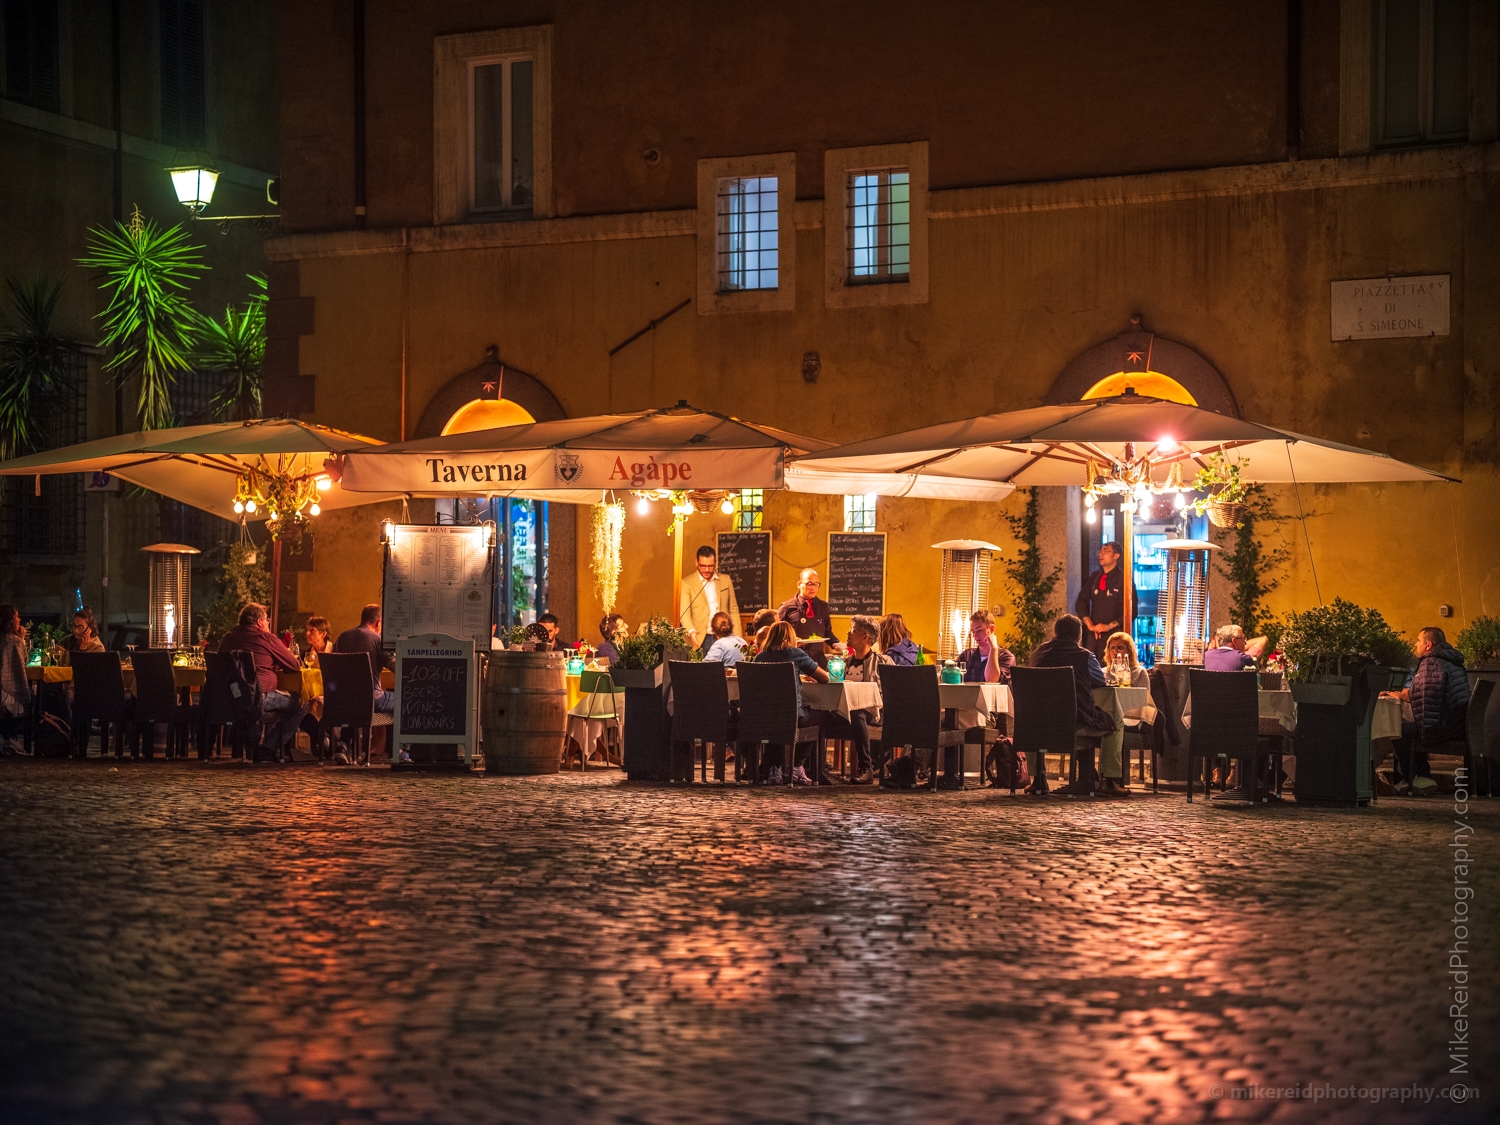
[1139,351]
[488,379]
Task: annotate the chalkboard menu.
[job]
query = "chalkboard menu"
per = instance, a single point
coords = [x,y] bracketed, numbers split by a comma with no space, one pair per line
[856,573]
[435,691]
[438,579]
[745,556]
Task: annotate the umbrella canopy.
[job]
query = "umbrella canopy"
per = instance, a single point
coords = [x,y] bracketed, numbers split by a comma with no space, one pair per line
[1053,445]
[576,460]
[201,465]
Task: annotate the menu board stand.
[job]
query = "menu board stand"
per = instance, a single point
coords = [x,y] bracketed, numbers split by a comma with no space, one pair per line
[437,704]
[438,580]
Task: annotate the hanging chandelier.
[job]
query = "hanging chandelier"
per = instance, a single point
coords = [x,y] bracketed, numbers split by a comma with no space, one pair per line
[1130,478]
[289,499]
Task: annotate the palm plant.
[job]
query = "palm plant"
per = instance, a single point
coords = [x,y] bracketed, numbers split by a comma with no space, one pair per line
[150,326]
[33,361]
[236,348]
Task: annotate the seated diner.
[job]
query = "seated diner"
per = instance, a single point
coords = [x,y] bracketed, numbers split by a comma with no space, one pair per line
[1064,650]
[895,640]
[1231,652]
[726,648]
[861,665]
[781,645]
[987,661]
[278,709]
[611,627]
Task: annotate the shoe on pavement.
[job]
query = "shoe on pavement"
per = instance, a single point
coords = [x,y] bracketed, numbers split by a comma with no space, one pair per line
[341,759]
[864,779]
[1039,788]
[1112,788]
[773,776]
[1423,786]
[799,777]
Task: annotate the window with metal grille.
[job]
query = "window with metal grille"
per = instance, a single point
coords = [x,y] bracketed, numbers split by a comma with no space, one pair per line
[1421,72]
[750,509]
[878,235]
[183,109]
[747,233]
[49,520]
[31,53]
[859,513]
[500,112]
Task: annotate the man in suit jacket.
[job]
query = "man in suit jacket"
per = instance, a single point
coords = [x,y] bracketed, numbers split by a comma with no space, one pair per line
[705,593]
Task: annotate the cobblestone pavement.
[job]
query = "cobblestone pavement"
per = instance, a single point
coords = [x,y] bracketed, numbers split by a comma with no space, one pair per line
[305,944]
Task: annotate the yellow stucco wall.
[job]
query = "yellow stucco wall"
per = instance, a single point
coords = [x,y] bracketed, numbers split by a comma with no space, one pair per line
[1244,279]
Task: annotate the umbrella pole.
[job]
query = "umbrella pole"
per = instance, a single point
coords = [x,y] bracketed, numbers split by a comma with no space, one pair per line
[677,522]
[275,585]
[1127,613]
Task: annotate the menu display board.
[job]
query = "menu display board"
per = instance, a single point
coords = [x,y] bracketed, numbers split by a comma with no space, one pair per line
[856,573]
[435,696]
[438,580]
[745,556]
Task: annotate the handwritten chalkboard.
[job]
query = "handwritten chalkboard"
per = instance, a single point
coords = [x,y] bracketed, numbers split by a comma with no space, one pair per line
[434,697]
[856,573]
[745,556]
[435,691]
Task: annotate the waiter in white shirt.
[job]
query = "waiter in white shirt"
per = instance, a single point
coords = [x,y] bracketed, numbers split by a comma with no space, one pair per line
[706,593]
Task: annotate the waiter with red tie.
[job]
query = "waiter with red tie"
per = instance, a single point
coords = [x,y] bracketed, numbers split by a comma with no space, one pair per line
[808,614]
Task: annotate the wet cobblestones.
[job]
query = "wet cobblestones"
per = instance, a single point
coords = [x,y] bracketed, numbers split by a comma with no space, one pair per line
[238,944]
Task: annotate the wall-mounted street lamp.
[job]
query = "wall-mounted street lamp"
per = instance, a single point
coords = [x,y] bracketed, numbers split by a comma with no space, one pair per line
[194,182]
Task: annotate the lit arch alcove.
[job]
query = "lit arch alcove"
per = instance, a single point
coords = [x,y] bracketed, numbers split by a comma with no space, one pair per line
[1150,365]
[538,541]
[468,401]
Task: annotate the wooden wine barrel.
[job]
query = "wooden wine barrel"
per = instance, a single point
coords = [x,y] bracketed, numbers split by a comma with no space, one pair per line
[524,715]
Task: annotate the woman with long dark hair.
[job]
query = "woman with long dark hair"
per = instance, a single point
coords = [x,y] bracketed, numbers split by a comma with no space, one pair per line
[781,645]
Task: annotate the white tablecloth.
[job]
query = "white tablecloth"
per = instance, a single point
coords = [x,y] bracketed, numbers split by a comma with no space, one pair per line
[986,699]
[1277,706]
[1388,716]
[844,698]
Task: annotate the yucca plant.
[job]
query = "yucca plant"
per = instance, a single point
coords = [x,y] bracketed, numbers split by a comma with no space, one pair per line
[236,348]
[33,361]
[150,327]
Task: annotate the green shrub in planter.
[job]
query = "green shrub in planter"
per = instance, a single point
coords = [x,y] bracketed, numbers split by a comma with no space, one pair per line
[1334,640]
[1480,642]
[643,650]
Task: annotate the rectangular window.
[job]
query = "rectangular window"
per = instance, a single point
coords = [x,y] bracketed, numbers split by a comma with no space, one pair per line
[750,509]
[859,513]
[878,230]
[183,114]
[747,233]
[31,53]
[501,115]
[1421,71]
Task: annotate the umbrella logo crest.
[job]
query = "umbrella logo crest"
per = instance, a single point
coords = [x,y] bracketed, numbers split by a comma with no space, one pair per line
[568,468]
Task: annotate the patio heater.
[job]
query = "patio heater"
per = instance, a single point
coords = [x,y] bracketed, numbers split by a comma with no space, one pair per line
[965,588]
[170,610]
[1183,618]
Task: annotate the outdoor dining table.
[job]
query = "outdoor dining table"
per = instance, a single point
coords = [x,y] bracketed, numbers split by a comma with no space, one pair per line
[185,678]
[1390,712]
[844,697]
[308,682]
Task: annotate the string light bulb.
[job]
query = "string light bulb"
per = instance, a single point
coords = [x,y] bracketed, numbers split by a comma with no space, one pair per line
[1089,514]
[250,506]
[239,507]
[727,507]
[642,506]
[316,509]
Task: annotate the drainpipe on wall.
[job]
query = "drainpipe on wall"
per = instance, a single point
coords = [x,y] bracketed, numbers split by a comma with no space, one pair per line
[359,114]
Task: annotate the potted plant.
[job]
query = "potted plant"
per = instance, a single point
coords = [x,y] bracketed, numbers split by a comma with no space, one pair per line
[1480,644]
[1225,492]
[642,672]
[1339,658]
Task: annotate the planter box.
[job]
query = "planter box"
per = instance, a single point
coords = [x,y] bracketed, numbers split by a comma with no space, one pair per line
[1333,738]
[628,678]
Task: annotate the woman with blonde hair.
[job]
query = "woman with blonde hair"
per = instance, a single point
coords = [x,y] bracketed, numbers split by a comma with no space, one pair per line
[1121,647]
[895,640]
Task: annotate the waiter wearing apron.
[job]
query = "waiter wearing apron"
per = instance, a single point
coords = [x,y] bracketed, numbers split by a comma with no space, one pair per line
[1101,602]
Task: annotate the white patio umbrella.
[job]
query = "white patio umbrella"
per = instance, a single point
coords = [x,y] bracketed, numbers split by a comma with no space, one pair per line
[1129,434]
[576,460]
[202,466]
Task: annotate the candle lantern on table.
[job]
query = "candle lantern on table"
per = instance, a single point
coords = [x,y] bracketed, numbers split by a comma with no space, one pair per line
[1183,622]
[170,609]
[965,589]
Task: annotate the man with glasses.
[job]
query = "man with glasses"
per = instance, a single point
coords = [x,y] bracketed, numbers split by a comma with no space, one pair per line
[809,615]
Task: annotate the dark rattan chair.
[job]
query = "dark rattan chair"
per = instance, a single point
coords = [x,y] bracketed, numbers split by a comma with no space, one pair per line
[1472,748]
[1226,724]
[349,699]
[156,701]
[1045,705]
[768,713]
[99,696]
[912,717]
[700,714]
[219,712]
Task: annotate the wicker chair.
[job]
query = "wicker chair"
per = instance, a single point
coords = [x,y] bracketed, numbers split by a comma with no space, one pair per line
[219,711]
[99,695]
[1472,747]
[156,702]
[700,715]
[912,717]
[349,699]
[1045,702]
[768,713]
[1225,723]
